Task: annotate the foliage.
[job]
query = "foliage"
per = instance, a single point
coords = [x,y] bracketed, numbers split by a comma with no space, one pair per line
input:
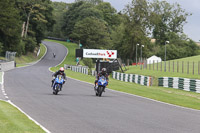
[95,2]
[10,26]
[24,60]
[60,9]
[133,30]
[30,44]
[37,15]
[88,62]
[91,32]
[77,12]
[166,18]
[1,47]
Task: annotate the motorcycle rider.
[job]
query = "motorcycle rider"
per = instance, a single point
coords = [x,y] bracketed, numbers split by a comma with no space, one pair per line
[59,72]
[102,73]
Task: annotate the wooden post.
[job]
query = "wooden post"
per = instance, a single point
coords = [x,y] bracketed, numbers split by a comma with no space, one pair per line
[188,67]
[161,66]
[182,66]
[173,66]
[169,66]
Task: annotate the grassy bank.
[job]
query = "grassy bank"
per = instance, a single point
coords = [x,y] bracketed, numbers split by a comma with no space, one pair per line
[171,70]
[168,95]
[13,121]
[30,57]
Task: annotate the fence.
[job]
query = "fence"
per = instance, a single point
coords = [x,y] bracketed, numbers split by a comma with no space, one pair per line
[187,67]
[10,56]
[81,69]
[180,83]
[138,79]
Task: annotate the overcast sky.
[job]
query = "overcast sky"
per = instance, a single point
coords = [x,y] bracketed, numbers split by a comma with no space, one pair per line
[192,28]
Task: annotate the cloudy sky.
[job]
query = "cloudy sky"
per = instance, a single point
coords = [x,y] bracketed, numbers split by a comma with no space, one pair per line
[192,28]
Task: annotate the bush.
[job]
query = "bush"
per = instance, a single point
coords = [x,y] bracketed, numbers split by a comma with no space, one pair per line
[30,44]
[1,48]
[88,62]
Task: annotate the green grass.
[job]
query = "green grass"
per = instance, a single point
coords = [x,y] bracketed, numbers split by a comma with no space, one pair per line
[13,121]
[168,95]
[182,68]
[30,57]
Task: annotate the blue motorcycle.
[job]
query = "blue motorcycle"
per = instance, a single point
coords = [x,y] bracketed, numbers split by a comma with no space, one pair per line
[100,86]
[58,82]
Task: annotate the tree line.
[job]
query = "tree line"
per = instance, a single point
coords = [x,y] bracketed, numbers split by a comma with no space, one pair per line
[23,24]
[96,24]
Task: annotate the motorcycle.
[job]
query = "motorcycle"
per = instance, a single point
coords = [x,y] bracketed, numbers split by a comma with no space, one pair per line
[54,55]
[57,85]
[100,86]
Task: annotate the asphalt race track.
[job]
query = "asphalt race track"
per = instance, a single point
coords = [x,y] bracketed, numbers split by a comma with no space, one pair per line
[77,110]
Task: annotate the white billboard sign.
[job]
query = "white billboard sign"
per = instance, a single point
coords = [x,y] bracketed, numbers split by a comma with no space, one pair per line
[98,53]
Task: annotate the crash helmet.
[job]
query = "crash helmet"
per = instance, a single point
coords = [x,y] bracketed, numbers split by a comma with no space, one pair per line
[62,69]
[103,70]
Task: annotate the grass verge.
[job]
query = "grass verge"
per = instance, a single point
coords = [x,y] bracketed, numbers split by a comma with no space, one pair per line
[30,57]
[13,121]
[168,95]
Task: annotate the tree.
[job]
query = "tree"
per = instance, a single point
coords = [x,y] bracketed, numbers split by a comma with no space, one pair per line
[92,33]
[136,25]
[166,18]
[94,2]
[10,26]
[38,17]
[109,13]
[76,12]
[60,8]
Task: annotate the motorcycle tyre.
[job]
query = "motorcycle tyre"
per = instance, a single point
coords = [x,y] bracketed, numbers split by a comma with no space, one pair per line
[100,91]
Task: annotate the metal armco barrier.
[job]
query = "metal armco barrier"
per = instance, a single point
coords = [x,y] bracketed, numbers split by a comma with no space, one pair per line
[180,83]
[5,66]
[81,69]
[138,79]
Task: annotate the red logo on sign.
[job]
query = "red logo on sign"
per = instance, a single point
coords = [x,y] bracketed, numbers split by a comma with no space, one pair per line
[110,54]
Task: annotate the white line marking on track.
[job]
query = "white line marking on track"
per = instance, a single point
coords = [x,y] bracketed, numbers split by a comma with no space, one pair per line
[47,131]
